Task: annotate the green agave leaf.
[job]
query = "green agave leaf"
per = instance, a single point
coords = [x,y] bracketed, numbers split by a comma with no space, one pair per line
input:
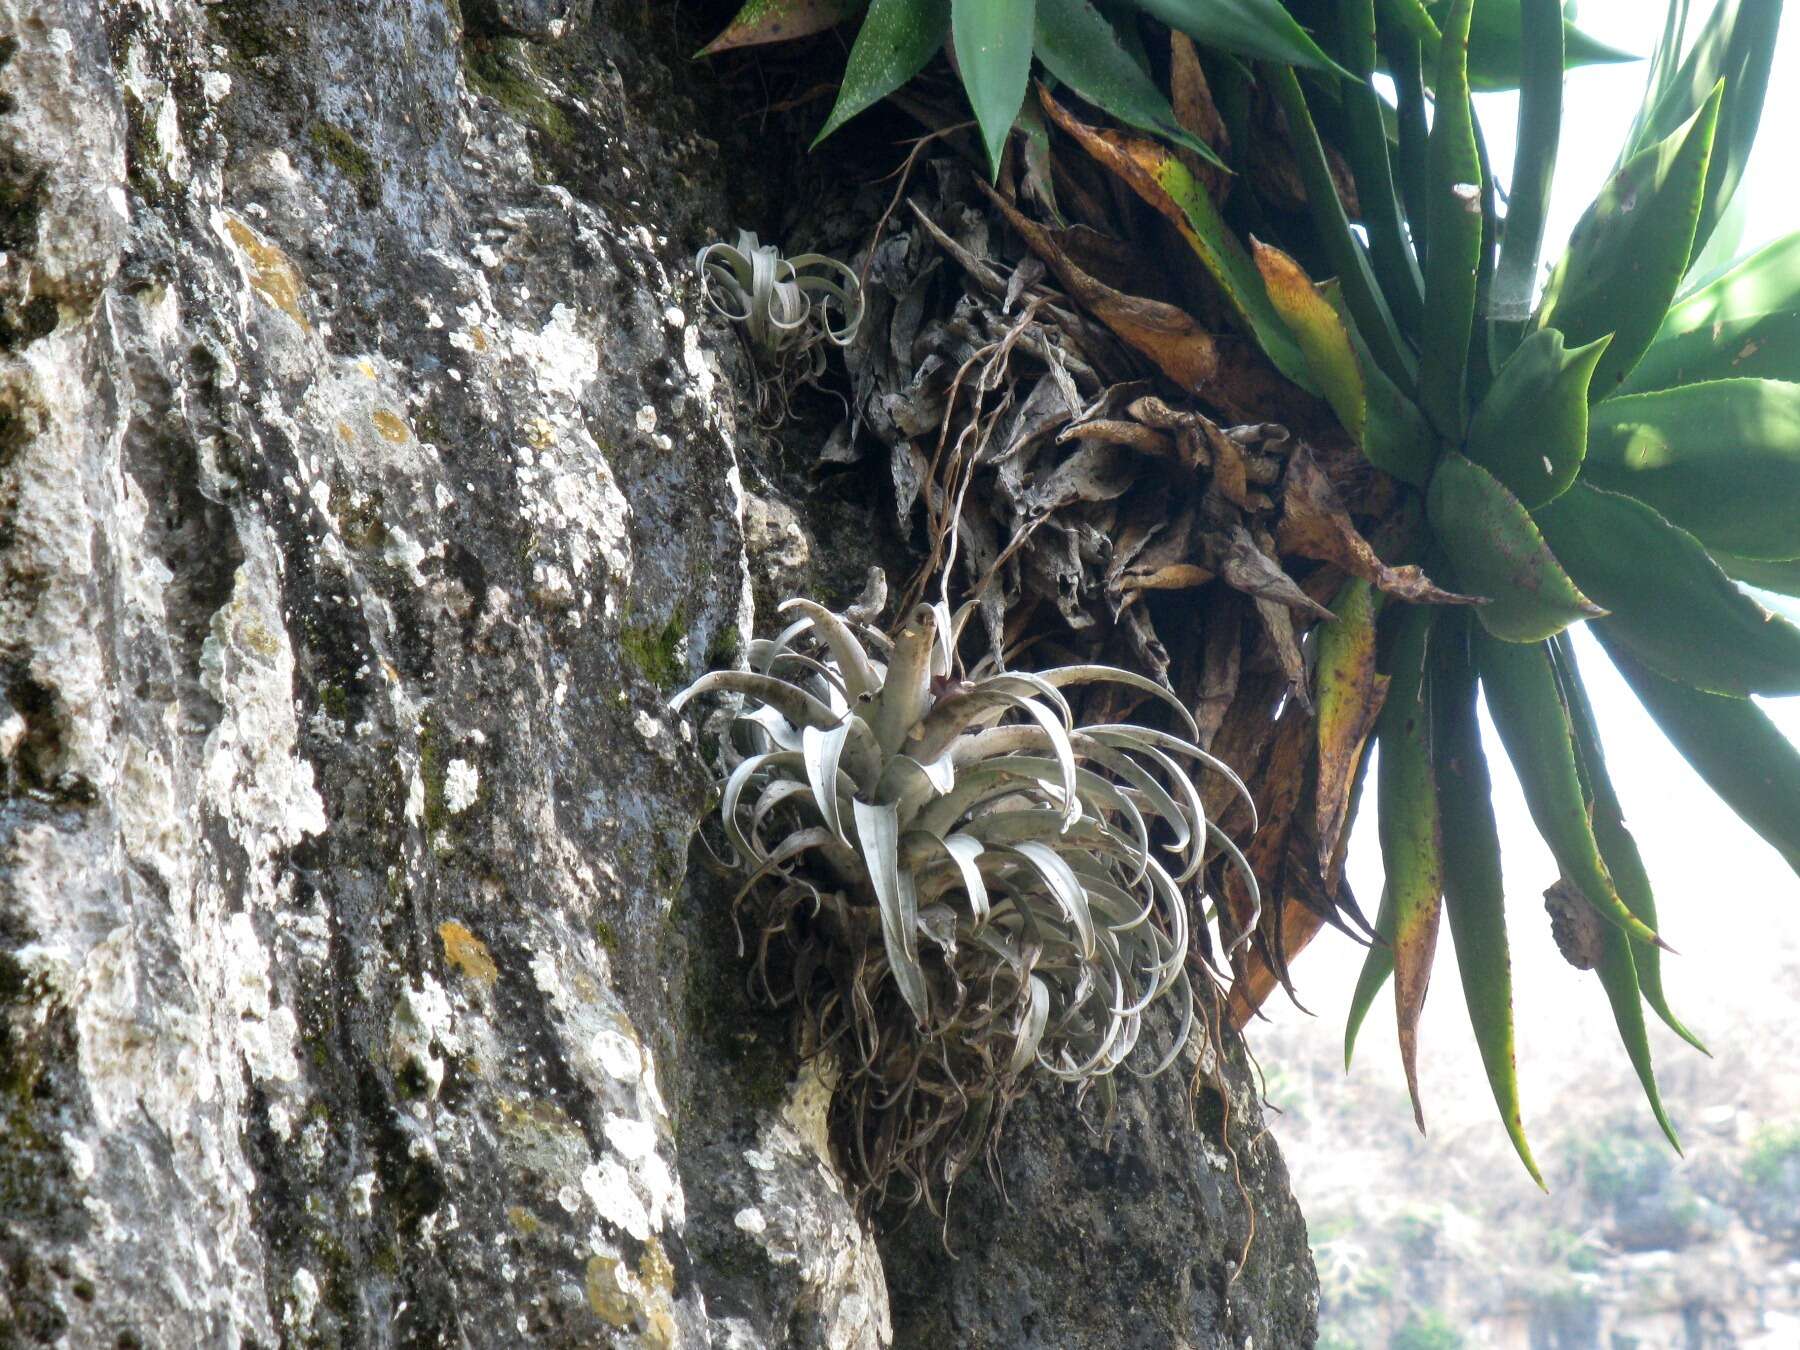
[1528,712]
[1617,969]
[1078,46]
[1258,28]
[896,40]
[1745,323]
[1670,602]
[1628,253]
[1618,850]
[1411,834]
[1395,437]
[1781,577]
[1721,460]
[1531,430]
[993,50]
[762,21]
[1369,309]
[1474,888]
[1366,146]
[1404,53]
[1736,46]
[1496,50]
[1378,965]
[1413,18]
[1732,744]
[1499,553]
[1453,205]
[1534,166]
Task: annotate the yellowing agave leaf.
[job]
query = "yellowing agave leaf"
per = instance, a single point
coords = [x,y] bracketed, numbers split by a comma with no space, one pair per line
[1323,339]
[762,21]
[1081,48]
[1499,553]
[1378,417]
[1348,696]
[1411,836]
[1163,181]
[1531,431]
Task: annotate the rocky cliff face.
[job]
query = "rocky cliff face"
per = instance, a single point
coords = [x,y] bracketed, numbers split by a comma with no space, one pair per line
[368,480]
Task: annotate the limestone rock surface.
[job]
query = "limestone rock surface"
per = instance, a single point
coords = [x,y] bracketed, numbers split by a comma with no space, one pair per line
[369,478]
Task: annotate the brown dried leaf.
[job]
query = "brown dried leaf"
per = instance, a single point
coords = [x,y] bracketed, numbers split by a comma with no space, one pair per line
[1315,525]
[1229,475]
[1195,110]
[1168,336]
[1220,666]
[1116,431]
[1282,778]
[1094,473]
[1299,925]
[984,274]
[1245,567]
[1577,927]
[1171,577]
[1276,174]
[780,21]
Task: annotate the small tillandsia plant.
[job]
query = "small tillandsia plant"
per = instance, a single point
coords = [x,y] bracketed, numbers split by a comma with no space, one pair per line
[953,883]
[784,304]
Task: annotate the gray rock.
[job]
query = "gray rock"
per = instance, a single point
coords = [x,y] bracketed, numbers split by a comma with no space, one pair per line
[368,481]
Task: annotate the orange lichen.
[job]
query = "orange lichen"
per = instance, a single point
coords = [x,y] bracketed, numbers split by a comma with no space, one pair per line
[272,274]
[468,954]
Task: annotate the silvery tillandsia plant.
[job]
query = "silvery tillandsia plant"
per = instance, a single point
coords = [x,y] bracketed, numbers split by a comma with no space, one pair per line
[955,884]
[1619,447]
[784,306]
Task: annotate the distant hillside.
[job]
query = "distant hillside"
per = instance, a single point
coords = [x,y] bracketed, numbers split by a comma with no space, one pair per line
[1443,1242]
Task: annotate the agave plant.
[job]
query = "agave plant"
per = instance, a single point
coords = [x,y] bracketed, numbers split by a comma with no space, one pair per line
[956,883]
[1077,44]
[1595,456]
[1621,449]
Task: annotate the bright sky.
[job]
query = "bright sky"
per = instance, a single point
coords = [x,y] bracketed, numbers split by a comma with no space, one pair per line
[1717,883]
